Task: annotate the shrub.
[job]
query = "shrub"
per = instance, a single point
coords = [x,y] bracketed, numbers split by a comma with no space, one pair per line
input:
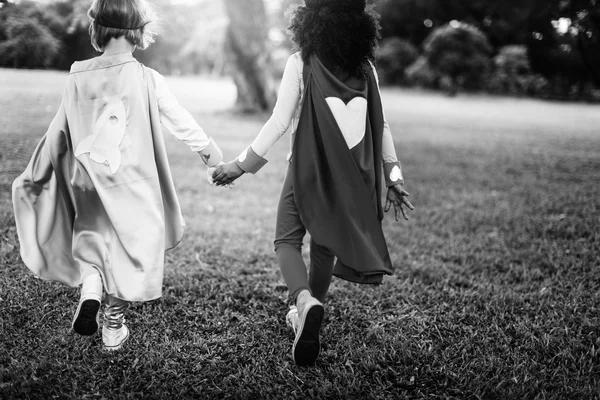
[512,70]
[513,74]
[513,60]
[28,45]
[394,56]
[420,74]
[460,54]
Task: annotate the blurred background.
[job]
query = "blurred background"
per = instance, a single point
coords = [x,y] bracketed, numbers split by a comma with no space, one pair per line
[541,48]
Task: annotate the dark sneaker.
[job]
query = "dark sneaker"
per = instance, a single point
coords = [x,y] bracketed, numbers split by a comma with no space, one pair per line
[86,319]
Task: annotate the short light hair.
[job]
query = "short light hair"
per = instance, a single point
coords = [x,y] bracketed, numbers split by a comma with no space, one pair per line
[132,19]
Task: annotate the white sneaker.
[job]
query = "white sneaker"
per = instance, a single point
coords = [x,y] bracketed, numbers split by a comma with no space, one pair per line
[307,347]
[113,339]
[291,319]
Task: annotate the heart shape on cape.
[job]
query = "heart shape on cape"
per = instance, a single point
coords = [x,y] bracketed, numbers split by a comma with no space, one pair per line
[351,118]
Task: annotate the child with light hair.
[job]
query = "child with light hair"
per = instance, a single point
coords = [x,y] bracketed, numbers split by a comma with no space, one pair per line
[96,205]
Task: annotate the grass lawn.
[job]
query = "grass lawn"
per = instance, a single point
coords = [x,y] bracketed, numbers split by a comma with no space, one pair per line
[495,295]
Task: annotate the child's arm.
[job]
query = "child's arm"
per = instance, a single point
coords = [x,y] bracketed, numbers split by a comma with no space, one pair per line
[391,165]
[392,170]
[252,158]
[178,121]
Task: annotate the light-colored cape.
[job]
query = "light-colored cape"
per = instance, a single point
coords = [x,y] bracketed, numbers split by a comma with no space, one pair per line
[98,190]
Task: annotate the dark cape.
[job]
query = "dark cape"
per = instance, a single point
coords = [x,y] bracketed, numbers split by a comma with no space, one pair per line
[337,190]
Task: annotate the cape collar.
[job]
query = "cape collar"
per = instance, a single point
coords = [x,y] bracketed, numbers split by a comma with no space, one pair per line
[102,62]
[316,63]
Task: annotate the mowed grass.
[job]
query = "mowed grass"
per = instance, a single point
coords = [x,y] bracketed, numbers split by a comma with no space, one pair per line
[495,294]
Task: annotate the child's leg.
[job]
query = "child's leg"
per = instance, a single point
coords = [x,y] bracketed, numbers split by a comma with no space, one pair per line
[91,282]
[114,312]
[293,269]
[307,318]
[114,330]
[86,319]
[321,269]
[289,233]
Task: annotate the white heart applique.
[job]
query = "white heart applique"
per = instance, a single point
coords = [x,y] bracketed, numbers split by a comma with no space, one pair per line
[351,118]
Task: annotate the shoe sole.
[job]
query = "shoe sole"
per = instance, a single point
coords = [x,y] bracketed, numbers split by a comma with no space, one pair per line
[86,321]
[117,347]
[307,346]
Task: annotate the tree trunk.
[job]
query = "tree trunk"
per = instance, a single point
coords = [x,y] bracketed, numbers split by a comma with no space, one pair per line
[247,55]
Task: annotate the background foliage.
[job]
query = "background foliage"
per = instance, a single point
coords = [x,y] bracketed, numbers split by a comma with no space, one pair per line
[558,42]
[441,44]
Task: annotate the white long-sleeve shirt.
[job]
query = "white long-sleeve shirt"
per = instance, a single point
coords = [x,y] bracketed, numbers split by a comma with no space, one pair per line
[176,119]
[179,123]
[289,107]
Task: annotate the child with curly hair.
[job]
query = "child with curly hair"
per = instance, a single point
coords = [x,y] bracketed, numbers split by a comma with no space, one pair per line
[329,94]
[96,205]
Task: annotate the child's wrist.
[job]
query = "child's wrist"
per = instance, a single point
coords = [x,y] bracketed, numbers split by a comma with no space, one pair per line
[249,161]
[392,174]
[211,154]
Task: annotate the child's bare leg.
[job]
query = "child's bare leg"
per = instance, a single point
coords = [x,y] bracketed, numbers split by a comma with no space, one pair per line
[321,270]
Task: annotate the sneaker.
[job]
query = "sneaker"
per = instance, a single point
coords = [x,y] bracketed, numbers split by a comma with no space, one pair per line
[307,347]
[86,319]
[113,339]
[291,319]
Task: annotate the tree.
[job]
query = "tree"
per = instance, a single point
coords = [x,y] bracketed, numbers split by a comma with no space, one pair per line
[503,21]
[28,44]
[203,51]
[394,56]
[513,74]
[459,53]
[248,56]
[69,23]
[585,16]
[560,48]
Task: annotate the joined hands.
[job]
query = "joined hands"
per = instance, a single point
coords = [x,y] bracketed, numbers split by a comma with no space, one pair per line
[225,174]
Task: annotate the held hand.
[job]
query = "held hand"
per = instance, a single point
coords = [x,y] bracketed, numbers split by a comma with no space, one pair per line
[227,173]
[210,171]
[397,196]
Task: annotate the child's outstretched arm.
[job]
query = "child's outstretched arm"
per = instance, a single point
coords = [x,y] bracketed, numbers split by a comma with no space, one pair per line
[252,158]
[178,121]
[392,170]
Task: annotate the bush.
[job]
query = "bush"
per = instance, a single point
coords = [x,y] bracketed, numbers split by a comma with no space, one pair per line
[512,71]
[459,54]
[28,45]
[513,60]
[513,74]
[420,74]
[394,56]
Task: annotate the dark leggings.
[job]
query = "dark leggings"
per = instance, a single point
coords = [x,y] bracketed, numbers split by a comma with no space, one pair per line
[289,234]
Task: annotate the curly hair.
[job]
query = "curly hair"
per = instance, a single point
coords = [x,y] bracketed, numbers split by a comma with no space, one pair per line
[342,33]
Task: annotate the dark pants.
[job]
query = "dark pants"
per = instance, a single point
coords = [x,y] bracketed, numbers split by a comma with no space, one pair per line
[289,234]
